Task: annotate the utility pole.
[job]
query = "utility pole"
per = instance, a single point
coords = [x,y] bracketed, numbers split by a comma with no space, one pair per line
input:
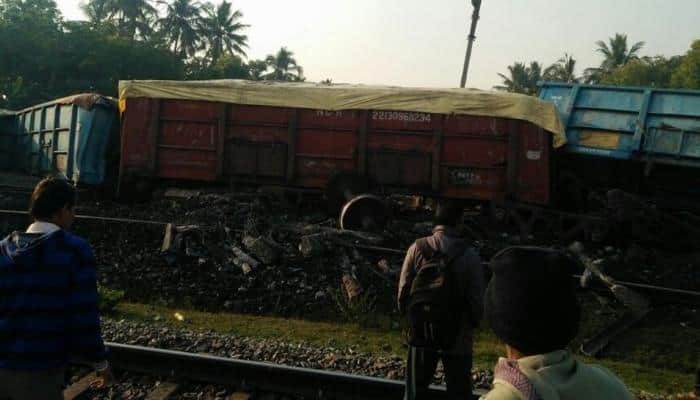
[475,17]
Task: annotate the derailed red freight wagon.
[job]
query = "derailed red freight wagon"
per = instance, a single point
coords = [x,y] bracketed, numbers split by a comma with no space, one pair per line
[453,143]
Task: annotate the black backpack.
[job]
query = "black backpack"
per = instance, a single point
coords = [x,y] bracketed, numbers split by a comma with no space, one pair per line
[434,305]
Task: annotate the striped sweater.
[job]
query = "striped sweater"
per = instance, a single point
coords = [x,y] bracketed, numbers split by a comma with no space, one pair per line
[48,301]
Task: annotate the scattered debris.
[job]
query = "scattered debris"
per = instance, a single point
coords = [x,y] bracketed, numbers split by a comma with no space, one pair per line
[177,193]
[252,254]
[240,396]
[266,250]
[241,257]
[637,307]
[180,241]
[643,222]
[246,268]
[383,266]
[629,298]
[352,286]
[312,245]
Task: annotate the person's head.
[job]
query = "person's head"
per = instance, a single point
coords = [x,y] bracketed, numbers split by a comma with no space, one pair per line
[448,213]
[53,200]
[531,301]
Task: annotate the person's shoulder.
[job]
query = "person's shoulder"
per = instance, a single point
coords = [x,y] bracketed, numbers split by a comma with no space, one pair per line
[607,380]
[78,243]
[503,391]
[73,240]
[420,243]
[4,243]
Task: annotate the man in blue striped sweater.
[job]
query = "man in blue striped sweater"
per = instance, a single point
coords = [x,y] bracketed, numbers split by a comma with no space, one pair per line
[48,300]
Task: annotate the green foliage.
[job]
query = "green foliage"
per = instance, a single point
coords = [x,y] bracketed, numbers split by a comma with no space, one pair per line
[222,28]
[360,309]
[617,53]
[564,70]
[226,67]
[29,30]
[284,67]
[180,27]
[621,65]
[43,57]
[647,71]
[687,75]
[521,78]
[133,18]
[257,69]
[109,299]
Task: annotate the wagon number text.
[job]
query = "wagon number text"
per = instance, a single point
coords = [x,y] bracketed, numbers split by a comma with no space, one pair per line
[400,116]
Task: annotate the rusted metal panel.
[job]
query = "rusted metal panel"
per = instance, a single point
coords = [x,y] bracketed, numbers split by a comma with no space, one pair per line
[400,168]
[438,126]
[134,138]
[187,150]
[153,134]
[272,159]
[362,144]
[512,163]
[453,156]
[293,138]
[534,170]
[256,159]
[221,140]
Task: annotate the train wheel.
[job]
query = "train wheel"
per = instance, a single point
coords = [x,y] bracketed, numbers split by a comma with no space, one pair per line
[365,212]
[342,188]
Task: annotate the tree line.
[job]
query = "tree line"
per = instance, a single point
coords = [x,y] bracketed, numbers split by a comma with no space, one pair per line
[621,65]
[44,56]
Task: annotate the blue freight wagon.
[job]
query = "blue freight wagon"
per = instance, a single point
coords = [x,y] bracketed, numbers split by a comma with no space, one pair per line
[656,125]
[72,135]
[8,138]
[641,139]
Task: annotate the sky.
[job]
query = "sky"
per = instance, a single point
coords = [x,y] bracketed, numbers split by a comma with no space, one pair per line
[423,42]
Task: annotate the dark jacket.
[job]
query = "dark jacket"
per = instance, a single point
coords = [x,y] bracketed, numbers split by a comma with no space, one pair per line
[469,274]
[48,301]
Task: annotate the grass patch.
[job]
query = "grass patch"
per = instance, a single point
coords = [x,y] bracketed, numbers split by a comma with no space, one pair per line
[639,371]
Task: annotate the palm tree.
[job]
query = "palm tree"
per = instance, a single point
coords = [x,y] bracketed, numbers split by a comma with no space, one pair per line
[517,79]
[284,67]
[180,27]
[132,17]
[522,78]
[617,54]
[221,29]
[257,69]
[534,75]
[97,11]
[564,70]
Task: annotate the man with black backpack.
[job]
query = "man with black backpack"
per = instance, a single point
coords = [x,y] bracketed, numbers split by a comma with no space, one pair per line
[441,294]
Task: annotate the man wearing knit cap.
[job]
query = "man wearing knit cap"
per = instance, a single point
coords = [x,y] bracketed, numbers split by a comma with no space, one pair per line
[531,305]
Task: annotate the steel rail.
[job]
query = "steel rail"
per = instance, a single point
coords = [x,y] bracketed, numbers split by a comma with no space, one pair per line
[259,376]
[96,218]
[656,289]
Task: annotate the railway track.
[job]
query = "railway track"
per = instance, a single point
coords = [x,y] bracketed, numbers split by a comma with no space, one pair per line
[245,376]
